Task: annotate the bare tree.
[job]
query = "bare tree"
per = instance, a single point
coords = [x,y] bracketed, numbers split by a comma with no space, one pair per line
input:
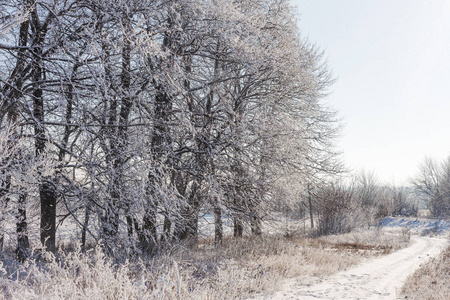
[432,184]
[335,208]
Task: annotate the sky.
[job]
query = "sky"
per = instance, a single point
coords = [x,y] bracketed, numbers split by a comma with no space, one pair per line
[391,59]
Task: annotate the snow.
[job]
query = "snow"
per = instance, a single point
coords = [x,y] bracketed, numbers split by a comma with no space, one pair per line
[378,278]
[421,226]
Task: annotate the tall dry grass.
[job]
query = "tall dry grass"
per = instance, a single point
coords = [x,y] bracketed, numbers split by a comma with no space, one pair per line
[431,281]
[236,269]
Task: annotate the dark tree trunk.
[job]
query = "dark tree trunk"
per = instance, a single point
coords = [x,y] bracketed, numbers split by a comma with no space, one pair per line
[23,244]
[84,229]
[10,93]
[130,227]
[311,216]
[110,223]
[191,230]
[239,202]
[130,231]
[187,227]
[218,226]
[238,170]
[110,217]
[47,191]
[238,226]
[158,143]
[166,229]
[48,216]
[148,235]
[5,185]
[255,223]
[118,142]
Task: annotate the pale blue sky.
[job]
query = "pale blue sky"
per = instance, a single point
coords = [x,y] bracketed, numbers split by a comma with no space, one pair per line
[391,59]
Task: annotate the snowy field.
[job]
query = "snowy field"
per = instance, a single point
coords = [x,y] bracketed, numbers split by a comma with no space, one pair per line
[381,277]
[418,226]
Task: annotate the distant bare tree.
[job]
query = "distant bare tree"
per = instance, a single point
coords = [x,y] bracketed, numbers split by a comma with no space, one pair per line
[404,203]
[432,183]
[335,208]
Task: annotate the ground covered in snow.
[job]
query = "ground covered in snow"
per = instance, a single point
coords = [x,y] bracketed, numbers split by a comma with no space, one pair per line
[419,226]
[381,277]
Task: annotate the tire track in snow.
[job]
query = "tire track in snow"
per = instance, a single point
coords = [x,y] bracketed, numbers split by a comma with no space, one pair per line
[380,278]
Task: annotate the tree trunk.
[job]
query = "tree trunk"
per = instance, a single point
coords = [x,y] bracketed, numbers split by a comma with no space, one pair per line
[187,227]
[191,229]
[130,223]
[310,208]
[238,226]
[148,234]
[47,191]
[119,141]
[48,216]
[255,224]
[110,223]
[129,227]
[23,244]
[166,229]
[84,229]
[8,107]
[5,185]
[218,226]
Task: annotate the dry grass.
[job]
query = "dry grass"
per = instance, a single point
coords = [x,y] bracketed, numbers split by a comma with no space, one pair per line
[236,269]
[375,240]
[431,281]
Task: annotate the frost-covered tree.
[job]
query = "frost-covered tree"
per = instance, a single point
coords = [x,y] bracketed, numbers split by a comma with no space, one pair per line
[404,202]
[335,208]
[151,112]
[433,184]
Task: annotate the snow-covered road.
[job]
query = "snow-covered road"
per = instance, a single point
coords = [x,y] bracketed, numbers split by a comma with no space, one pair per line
[379,278]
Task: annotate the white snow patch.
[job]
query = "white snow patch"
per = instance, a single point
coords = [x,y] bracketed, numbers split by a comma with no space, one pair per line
[420,226]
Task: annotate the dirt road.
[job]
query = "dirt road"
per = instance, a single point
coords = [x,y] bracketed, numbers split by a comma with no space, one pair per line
[380,278]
